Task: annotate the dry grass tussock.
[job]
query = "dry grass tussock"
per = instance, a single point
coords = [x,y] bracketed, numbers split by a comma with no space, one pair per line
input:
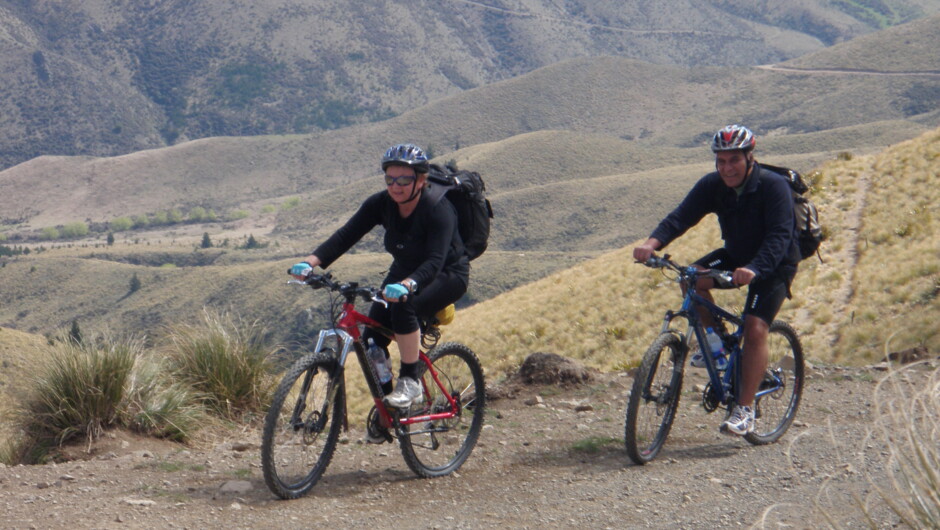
[226,361]
[80,389]
[900,456]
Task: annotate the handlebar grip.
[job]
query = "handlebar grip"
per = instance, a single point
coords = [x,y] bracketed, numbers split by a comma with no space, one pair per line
[723,279]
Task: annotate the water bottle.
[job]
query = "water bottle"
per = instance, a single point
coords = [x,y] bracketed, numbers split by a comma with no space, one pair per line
[379,362]
[717,348]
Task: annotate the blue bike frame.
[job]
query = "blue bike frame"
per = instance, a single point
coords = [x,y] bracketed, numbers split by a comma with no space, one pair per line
[725,380]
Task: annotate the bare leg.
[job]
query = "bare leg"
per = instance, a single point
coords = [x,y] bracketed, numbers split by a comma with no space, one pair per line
[408,346]
[754,363]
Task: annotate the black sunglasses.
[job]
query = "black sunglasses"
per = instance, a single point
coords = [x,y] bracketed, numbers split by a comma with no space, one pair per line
[404,180]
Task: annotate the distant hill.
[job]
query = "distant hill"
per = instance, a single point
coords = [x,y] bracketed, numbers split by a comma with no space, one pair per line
[580,157]
[655,109]
[101,79]
[596,306]
[906,48]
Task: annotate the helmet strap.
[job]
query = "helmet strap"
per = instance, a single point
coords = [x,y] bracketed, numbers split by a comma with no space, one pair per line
[415,190]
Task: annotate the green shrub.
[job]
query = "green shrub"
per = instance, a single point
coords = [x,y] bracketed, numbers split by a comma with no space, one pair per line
[49,232]
[290,203]
[198,214]
[119,224]
[160,218]
[76,229]
[174,216]
[226,361]
[141,221]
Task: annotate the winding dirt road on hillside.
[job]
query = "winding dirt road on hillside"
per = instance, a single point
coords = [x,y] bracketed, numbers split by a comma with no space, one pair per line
[846,71]
[557,462]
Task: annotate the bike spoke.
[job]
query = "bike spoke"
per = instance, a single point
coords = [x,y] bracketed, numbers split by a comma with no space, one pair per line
[654,399]
[438,448]
[776,409]
[301,428]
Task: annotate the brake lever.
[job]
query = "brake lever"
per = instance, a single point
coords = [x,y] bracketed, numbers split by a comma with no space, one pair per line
[384,302]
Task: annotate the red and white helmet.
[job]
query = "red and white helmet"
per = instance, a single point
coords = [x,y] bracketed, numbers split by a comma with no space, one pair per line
[732,138]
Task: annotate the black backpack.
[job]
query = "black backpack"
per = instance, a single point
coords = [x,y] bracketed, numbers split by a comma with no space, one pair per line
[809,231]
[467,192]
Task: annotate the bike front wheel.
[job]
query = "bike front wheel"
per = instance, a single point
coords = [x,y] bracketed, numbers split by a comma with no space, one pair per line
[654,398]
[775,410]
[439,447]
[302,426]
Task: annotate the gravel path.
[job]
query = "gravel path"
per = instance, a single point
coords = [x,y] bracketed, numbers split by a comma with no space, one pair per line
[548,464]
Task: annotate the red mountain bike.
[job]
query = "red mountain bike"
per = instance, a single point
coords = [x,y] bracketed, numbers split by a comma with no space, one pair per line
[303,425]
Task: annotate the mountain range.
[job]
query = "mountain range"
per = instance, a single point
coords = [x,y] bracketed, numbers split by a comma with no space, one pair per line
[109,77]
[581,157]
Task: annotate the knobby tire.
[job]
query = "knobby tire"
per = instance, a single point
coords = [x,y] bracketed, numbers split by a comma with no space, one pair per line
[775,411]
[654,398]
[435,449]
[294,457]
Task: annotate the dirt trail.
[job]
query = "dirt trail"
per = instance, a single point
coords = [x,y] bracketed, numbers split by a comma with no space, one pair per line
[846,71]
[544,465]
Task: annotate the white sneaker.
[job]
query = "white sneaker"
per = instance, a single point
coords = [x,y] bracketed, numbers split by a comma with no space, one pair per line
[740,422]
[407,392]
[698,361]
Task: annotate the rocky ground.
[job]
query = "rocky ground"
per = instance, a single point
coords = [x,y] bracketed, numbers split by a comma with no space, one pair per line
[550,456]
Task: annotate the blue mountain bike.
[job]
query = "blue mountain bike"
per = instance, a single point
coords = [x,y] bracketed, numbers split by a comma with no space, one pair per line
[657,386]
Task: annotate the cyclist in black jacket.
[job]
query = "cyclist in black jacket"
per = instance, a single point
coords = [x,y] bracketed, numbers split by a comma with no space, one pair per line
[755,212]
[430,269]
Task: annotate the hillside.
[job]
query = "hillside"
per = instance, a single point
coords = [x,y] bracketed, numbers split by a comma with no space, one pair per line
[657,109]
[838,308]
[876,292]
[100,78]
[17,350]
[580,158]
[905,48]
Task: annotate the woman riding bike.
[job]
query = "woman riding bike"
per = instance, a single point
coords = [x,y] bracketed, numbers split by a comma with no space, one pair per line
[430,269]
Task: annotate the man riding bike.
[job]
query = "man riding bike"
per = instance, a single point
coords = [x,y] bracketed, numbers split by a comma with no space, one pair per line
[755,212]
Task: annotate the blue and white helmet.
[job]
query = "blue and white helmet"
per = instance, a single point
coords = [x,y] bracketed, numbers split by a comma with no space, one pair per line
[406,155]
[733,138]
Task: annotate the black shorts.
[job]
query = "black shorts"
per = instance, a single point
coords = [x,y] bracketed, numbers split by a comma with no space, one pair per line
[402,317]
[765,295]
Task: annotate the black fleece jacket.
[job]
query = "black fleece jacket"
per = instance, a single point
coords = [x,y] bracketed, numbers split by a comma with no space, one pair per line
[757,227]
[422,245]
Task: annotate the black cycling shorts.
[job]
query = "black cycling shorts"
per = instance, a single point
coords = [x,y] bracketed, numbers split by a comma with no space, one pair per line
[765,295]
[402,317]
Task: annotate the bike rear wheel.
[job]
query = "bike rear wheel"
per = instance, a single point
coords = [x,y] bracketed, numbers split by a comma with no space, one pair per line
[302,426]
[654,398]
[775,411]
[437,448]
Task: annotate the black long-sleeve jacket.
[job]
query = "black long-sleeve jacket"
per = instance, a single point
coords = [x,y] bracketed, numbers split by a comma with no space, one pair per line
[422,245]
[757,227]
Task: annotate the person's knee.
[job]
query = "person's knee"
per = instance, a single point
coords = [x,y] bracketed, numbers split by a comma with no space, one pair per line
[755,328]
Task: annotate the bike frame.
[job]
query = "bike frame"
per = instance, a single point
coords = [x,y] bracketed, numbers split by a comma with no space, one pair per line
[347,334]
[729,381]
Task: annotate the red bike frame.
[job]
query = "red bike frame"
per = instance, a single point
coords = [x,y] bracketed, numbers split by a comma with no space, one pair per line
[349,321]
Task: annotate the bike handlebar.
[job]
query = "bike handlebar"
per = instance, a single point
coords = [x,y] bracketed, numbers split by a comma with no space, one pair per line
[349,290]
[689,272]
